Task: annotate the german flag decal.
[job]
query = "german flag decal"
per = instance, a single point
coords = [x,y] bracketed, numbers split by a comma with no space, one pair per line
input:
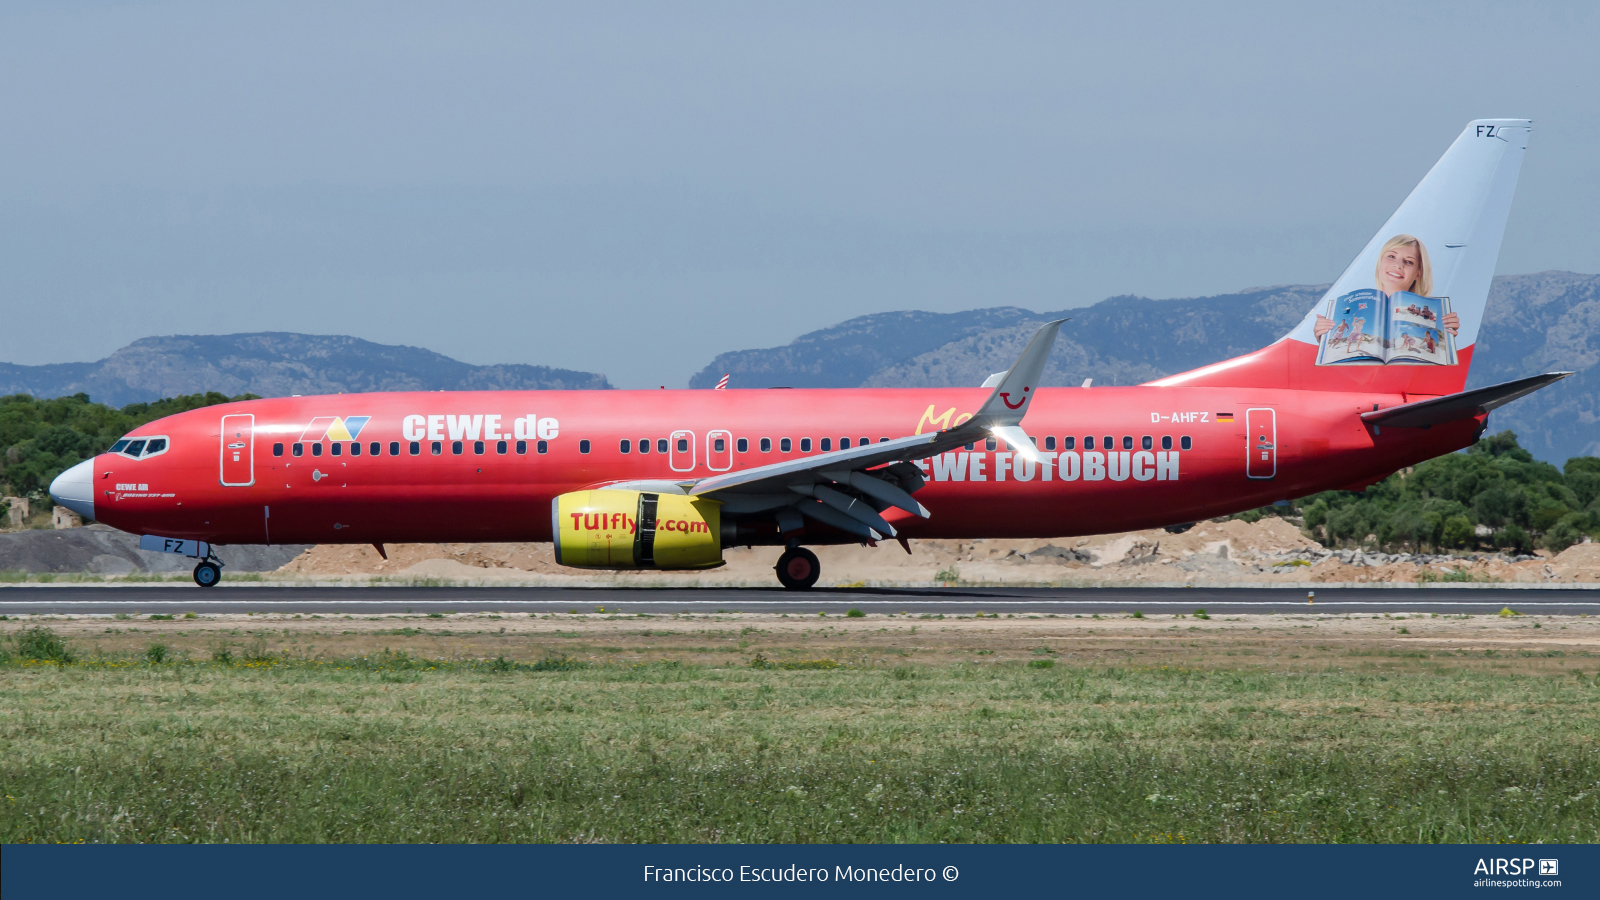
[1224,417]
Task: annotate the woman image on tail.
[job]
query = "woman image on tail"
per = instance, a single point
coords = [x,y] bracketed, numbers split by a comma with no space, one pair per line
[1402,266]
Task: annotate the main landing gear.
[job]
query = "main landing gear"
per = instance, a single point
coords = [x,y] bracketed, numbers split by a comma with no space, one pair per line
[207,574]
[798,569]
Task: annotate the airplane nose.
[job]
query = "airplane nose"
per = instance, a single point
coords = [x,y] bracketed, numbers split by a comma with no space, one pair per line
[74,489]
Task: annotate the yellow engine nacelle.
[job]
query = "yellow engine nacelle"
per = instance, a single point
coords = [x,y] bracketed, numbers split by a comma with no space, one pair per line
[636,530]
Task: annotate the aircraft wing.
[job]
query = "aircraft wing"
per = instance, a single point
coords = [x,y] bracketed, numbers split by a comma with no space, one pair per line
[850,489]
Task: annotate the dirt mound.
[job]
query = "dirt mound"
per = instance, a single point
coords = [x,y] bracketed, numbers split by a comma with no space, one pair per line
[1269,551]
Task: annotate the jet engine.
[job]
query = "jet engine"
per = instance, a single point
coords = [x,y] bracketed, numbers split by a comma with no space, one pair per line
[618,529]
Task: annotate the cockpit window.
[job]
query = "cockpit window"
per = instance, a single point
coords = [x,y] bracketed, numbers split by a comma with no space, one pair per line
[142,448]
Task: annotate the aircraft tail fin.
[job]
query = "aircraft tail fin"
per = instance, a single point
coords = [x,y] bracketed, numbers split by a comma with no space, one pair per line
[1404,317]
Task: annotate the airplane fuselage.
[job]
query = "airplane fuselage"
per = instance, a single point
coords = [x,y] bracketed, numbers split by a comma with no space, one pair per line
[485,466]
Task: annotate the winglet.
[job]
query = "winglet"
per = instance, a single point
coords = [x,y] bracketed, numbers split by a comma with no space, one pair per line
[1009,402]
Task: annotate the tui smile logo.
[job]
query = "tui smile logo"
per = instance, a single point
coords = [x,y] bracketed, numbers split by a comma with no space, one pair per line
[1006,399]
[335,428]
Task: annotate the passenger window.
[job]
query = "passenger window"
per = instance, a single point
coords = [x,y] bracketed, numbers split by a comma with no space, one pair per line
[1166,442]
[118,446]
[1146,442]
[543,447]
[1110,443]
[844,443]
[355,449]
[522,448]
[316,449]
[805,445]
[135,448]
[436,447]
[625,445]
[376,449]
[500,448]
[336,448]
[825,445]
[583,446]
[883,440]
[766,445]
[785,445]
[719,445]
[1185,442]
[277,449]
[644,445]
[415,448]
[863,442]
[683,445]
[1127,442]
[394,448]
[1050,442]
[477,448]
[455,448]
[743,444]
[989,444]
[1088,442]
[155,446]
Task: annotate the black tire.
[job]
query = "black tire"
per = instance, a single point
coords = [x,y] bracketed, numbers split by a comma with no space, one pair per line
[207,574]
[798,569]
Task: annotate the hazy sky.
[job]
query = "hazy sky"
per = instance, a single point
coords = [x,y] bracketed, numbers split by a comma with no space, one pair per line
[633,188]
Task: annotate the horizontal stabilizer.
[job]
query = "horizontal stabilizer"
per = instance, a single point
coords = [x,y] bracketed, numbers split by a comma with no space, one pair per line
[1454,407]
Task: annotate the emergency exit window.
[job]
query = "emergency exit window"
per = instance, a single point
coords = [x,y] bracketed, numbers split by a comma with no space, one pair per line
[683,445]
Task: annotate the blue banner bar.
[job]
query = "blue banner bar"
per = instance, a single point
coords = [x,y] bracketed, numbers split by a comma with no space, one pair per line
[344,872]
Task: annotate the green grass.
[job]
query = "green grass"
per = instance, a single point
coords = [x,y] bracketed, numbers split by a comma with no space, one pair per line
[394,748]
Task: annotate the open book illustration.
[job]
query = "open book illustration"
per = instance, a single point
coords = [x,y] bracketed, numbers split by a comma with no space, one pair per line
[1402,328]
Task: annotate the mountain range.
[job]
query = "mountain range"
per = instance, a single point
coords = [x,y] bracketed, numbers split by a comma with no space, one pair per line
[1548,321]
[274,364]
[1543,322]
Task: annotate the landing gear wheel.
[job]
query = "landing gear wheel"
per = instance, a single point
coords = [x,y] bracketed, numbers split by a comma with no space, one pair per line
[798,569]
[207,574]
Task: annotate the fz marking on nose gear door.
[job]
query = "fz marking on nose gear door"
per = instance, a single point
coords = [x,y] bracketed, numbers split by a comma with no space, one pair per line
[238,451]
[1261,443]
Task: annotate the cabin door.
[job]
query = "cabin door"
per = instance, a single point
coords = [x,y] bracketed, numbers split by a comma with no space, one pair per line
[719,451]
[681,451]
[1261,443]
[238,451]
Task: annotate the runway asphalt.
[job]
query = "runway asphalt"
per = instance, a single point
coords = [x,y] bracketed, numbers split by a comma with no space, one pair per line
[169,598]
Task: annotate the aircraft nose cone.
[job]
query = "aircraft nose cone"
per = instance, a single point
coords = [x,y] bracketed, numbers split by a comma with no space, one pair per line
[74,489]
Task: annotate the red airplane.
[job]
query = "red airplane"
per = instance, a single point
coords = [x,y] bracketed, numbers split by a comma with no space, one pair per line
[666,480]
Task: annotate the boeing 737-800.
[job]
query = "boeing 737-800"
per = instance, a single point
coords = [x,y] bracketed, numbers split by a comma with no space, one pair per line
[1370,381]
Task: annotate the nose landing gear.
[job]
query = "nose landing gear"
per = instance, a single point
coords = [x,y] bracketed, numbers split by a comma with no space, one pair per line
[798,569]
[207,574]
